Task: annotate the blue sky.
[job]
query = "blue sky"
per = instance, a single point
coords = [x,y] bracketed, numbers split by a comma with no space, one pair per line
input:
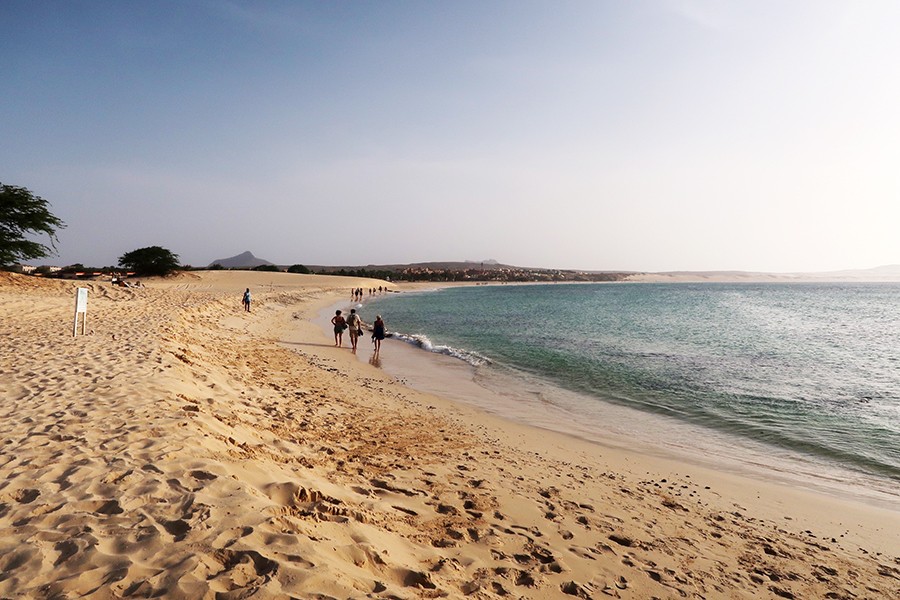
[646,135]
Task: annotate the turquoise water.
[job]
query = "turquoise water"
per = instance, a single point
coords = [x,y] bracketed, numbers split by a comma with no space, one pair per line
[810,368]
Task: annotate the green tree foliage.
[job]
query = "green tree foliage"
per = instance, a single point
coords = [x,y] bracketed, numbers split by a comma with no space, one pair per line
[152,260]
[271,268]
[70,270]
[22,212]
[298,269]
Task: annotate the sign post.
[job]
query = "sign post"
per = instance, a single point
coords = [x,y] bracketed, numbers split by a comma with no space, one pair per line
[81,295]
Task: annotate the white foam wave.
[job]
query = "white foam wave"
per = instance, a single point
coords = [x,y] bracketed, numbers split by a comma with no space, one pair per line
[422,341]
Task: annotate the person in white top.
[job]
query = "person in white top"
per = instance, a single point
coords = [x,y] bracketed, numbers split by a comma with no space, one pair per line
[355,324]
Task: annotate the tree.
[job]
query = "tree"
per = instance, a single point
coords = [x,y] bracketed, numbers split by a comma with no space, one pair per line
[22,212]
[298,269]
[272,268]
[72,269]
[152,260]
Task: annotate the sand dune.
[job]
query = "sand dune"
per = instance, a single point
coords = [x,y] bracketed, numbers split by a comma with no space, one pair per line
[186,449]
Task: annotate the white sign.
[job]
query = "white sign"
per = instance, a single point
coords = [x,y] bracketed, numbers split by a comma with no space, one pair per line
[80,308]
[81,300]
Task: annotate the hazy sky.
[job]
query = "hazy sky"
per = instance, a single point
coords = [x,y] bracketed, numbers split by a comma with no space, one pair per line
[646,135]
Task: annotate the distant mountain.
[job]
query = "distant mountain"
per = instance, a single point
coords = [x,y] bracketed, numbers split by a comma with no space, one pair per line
[244,259]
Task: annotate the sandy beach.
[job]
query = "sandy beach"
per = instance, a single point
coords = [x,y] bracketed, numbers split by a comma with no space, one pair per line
[187,449]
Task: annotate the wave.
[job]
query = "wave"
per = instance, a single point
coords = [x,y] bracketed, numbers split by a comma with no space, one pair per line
[422,341]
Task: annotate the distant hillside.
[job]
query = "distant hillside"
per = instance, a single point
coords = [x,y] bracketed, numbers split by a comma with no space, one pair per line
[242,260]
[491,270]
[488,265]
[885,272]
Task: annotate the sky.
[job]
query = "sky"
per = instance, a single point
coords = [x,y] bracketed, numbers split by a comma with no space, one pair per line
[648,135]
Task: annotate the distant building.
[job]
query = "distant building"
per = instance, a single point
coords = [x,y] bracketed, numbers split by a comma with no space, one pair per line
[30,270]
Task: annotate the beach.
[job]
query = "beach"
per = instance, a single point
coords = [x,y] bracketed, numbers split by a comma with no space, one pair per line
[187,449]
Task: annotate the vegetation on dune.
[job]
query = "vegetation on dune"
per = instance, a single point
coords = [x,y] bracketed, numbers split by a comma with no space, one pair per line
[23,213]
[153,260]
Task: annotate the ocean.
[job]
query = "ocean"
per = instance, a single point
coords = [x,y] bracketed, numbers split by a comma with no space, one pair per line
[799,381]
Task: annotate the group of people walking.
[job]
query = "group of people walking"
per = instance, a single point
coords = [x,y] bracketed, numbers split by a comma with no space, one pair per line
[353,324]
[356,294]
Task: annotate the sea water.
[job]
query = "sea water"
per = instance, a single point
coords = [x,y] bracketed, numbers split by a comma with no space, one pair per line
[806,373]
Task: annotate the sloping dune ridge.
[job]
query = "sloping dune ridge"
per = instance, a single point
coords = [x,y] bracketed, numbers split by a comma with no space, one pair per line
[187,449]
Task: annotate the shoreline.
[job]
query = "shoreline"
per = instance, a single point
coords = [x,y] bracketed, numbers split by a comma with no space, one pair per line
[547,407]
[451,380]
[187,449]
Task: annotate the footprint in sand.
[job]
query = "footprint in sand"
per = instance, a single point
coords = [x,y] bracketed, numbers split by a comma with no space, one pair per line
[26,496]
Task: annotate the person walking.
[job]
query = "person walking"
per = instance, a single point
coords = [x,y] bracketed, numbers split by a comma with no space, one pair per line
[246,300]
[340,324]
[377,333]
[354,322]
